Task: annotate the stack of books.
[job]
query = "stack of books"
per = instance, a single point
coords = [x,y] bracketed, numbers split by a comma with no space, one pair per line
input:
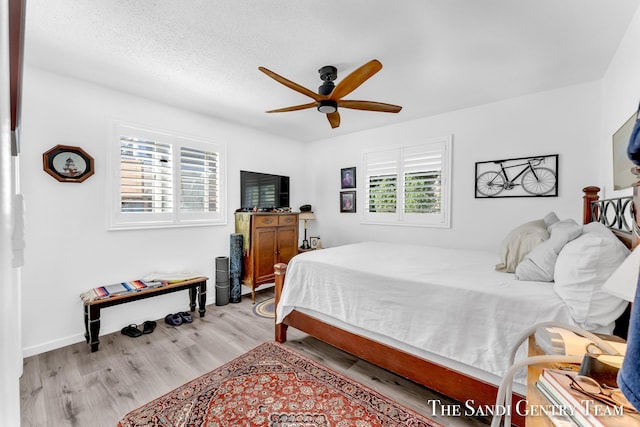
[574,408]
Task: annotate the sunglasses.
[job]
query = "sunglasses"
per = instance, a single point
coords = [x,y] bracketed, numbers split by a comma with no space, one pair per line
[602,393]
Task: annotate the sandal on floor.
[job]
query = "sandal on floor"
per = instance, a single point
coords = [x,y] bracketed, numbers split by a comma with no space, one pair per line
[131,331]
[186,317]
[173,319]
[148,326]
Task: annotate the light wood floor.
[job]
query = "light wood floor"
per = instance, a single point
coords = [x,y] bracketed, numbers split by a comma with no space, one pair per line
[73,387]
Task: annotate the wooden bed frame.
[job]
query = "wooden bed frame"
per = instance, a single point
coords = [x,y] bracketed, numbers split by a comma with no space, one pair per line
[434,376]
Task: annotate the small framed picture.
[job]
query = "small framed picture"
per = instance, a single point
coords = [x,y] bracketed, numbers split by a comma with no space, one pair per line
[68,164]
[347,201]
[313,242]
[348,176]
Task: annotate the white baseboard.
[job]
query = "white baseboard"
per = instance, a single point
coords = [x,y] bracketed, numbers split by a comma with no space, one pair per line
[51,345]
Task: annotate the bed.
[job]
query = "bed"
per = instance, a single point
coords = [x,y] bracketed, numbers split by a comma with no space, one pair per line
[412,326]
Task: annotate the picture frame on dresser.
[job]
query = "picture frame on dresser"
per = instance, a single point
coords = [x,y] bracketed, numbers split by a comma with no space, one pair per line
[313,242]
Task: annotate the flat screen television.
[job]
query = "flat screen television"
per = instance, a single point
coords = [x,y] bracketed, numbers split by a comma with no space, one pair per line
[263,191]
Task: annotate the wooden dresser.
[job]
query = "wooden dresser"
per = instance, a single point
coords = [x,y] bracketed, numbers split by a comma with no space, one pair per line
[268,239]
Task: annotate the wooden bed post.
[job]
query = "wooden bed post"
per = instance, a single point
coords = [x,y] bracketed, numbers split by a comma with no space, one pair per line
[281,328]
[590,195]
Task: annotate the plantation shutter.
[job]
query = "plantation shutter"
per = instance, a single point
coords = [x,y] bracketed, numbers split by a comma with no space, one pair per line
[161,179]
[146,176]
[422,166]
[409,185]
[381,185]
[199,183]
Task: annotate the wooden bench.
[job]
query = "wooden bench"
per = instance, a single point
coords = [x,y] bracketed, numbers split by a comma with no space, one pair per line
[197,287]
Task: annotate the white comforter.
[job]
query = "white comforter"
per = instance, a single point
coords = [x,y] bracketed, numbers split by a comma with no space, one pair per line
[448,302]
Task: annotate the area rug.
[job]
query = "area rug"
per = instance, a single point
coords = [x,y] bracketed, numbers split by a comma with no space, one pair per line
[273,385]
[265,308]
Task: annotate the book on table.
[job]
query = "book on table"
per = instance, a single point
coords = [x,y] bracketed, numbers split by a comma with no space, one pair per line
[558,416]
[584,410]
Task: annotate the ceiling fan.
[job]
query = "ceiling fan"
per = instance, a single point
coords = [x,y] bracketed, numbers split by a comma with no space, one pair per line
[329,96]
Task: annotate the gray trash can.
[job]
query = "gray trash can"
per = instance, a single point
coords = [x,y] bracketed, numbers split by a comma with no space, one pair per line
[222,280]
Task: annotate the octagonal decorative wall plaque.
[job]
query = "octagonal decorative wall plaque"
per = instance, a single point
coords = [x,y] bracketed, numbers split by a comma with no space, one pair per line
[68,164]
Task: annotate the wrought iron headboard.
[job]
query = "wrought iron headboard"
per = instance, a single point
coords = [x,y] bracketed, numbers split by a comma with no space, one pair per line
[617,214]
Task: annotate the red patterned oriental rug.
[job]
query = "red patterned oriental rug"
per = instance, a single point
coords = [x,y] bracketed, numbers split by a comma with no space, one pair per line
[272,385]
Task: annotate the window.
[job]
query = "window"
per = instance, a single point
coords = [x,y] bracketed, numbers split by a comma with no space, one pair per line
[409,185]
[161,179]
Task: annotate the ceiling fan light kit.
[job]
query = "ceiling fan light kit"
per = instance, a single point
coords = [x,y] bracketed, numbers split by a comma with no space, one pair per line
[327,106]
[329,96]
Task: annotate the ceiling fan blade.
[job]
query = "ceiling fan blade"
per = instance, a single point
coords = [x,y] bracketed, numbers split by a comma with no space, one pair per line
[291,85]
[355,79]
[369,106]
[294,108]
[334,119]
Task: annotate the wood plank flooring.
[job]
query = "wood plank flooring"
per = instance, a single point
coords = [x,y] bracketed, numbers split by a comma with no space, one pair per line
[71,386]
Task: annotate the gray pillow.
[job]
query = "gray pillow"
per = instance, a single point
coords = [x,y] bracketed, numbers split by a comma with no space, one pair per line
[539,264]
[550,219]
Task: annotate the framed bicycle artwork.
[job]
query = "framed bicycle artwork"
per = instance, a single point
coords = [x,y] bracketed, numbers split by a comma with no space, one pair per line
[521,177]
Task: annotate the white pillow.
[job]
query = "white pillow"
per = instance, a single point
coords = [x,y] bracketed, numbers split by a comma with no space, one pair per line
[540,263]
[600,229]
[519,242]
[582,267]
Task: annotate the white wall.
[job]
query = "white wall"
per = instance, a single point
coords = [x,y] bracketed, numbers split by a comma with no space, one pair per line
[563,122]
[68,247]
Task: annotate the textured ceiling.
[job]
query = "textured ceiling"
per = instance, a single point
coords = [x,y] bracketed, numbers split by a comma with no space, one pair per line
[438,55]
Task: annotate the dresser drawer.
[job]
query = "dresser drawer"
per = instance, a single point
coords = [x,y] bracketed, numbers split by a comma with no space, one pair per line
[266,220]
[286,219]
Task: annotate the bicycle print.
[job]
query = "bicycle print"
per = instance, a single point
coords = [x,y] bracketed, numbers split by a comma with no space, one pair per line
[521,177]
